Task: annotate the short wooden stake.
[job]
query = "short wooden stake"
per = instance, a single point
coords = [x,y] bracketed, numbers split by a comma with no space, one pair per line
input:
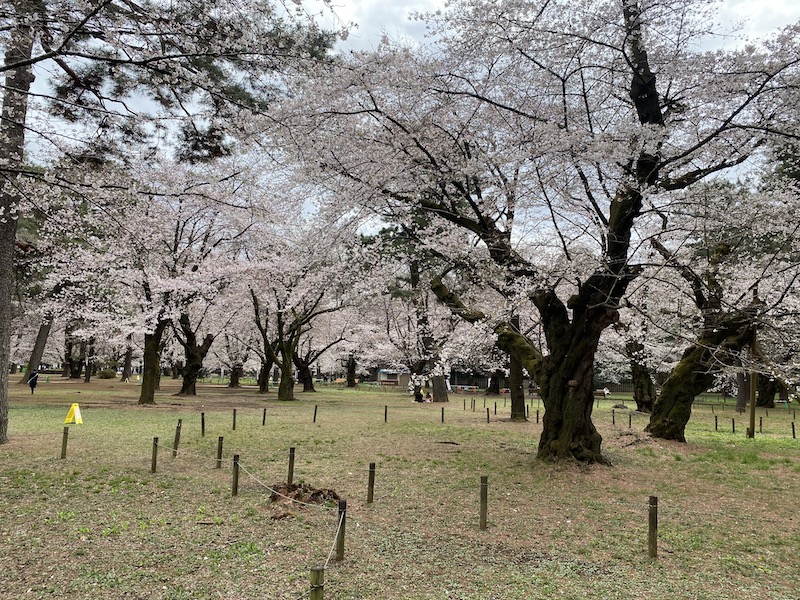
[733,425]
[235,477]
[64,442]
[264,417]
[495,408]
[290,475]
[487,415]
[340,533]
[652,533]
[465,404]
[443,414]
[484,403]
[234,419]
[716,423]
[371,483]
[613,417]
[794,437]
[526,411]
[760,424]
[177,438]
[484,500]
[202,424]
[154,458]
[219,452]
[630,420]
[386,414]
[317,589]
[537,416]
[315,414]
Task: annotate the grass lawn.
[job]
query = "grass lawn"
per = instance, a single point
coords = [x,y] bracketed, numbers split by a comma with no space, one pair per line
[99,525]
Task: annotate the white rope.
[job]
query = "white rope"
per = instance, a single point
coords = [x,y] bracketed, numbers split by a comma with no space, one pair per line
[335,539]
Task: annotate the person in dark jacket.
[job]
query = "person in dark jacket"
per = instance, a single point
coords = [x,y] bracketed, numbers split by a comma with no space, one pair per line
[33,380]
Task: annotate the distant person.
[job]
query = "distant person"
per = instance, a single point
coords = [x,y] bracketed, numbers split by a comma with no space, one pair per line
[33,380]
[428,397]
[417,396]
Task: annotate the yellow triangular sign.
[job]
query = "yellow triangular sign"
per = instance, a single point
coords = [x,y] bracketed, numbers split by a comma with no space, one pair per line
[74,415]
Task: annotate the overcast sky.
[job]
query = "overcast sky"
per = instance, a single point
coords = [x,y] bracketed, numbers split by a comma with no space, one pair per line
[376,16]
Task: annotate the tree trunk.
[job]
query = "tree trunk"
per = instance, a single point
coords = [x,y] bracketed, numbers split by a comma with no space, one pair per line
[515,383]
[38,347]
[263,377]
[76,363]
[439,389]
[493,389]
[17,85]
[127,363]
[742,391]
[305,375]
[151,358]
[694,374]
[194,354]
[90,362]
[767,388]
[286,385]
[567,389]
[351,371]
[644,390]
[236,375]
[190,373]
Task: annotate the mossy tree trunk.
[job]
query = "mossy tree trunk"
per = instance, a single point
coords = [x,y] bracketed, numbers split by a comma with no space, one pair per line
[516,383]
[694,374]
[237,371]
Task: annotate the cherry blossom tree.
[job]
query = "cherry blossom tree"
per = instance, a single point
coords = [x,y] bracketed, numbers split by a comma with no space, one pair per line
[123,72]
[547,139]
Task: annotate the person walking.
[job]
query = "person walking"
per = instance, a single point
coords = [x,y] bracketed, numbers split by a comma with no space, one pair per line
[33,380]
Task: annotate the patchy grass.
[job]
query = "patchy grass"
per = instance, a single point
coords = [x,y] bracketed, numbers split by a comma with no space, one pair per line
[100,525]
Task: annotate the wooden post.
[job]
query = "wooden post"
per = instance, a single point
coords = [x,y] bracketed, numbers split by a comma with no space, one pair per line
[652,534]
[760,424]
[219,452]
[465,404]
[484,403]
[371,483]
[484,500]
[386,414]
[317,584]
[64,442]
[487,415]
[340,533]
[526,411]
[177,438]
[443,414]
[716,423]
[264,417]
[235,478]
[794,437]
[613,417]
[290,476]
[202,424]
[234,419]
[155,455]
[495,408]
[733,425]
[537,416]
[315,414]
[630,420]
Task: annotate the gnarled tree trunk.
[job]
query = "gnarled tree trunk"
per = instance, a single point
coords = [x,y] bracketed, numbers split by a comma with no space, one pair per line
[694,374]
